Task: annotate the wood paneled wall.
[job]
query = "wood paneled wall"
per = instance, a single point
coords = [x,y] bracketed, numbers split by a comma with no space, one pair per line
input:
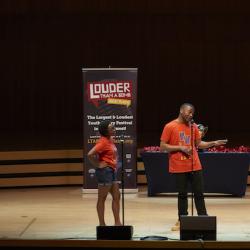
[49,168]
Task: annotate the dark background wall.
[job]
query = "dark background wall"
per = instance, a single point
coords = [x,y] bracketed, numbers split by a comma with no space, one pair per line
[195,51]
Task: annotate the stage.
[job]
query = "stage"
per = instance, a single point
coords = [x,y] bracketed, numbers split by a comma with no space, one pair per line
[64,216]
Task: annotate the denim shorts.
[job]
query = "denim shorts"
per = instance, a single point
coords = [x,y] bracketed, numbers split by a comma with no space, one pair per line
[105,176]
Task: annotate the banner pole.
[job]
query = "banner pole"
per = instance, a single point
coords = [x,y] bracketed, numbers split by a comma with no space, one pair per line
[122,181]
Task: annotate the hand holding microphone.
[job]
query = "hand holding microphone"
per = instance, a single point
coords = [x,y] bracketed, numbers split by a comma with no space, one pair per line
[186,150]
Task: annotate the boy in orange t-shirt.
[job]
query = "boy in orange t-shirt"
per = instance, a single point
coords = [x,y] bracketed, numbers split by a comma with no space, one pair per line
[181,138]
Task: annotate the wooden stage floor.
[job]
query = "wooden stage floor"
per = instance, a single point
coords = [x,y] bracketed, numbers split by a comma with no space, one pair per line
[65,213]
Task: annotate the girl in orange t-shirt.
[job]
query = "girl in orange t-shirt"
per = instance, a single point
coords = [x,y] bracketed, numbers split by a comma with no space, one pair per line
[104,157]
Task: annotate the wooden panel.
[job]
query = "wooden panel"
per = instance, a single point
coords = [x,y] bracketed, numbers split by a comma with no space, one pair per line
[36,168]
[40,181]
[140,166]
[141,179]
[40,154]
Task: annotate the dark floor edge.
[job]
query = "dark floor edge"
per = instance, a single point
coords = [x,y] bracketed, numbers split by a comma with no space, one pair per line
[125,244]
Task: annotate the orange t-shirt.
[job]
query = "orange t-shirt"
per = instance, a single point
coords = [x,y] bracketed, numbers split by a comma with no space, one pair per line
[176,133]
[107,151]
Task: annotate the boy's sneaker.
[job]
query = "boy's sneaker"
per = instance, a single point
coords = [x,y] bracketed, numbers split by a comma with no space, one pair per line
[176,227]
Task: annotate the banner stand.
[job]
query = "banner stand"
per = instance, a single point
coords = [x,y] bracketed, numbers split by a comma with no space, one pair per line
[111,94]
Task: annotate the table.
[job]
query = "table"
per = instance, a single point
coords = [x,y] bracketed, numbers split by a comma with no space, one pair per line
[224,173]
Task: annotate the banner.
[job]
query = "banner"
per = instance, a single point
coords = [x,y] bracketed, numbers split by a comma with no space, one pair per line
[111,94]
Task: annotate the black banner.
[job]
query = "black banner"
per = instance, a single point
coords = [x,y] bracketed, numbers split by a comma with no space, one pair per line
[111,94]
